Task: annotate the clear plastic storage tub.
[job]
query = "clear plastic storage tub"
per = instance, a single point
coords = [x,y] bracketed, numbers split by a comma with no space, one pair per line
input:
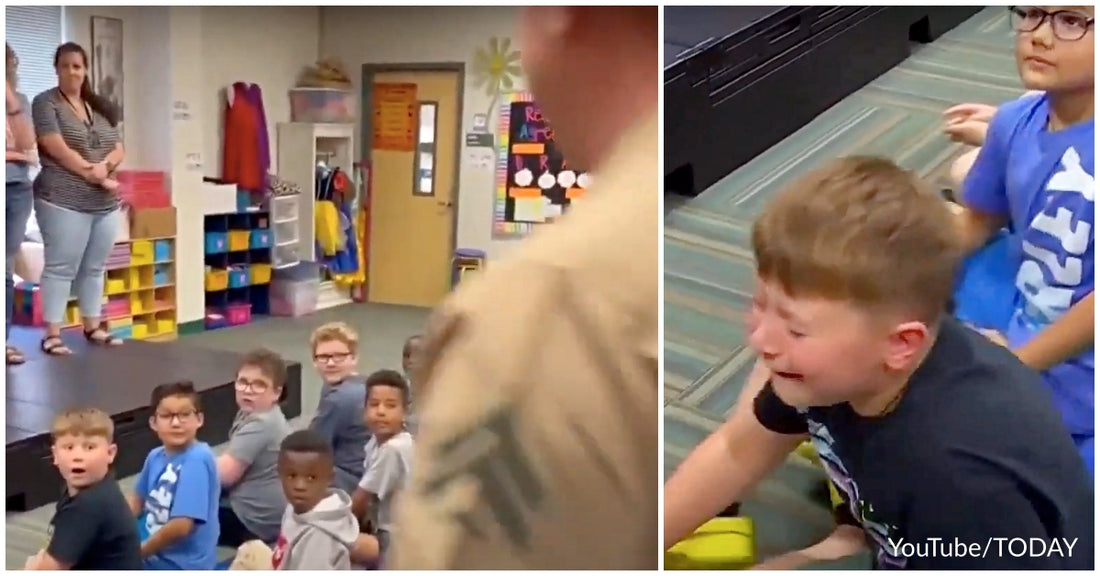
[322,105]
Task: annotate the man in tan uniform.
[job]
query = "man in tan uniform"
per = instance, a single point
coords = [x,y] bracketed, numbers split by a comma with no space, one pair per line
[538,444]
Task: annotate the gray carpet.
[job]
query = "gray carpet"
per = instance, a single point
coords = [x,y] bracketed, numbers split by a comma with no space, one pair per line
[382,331]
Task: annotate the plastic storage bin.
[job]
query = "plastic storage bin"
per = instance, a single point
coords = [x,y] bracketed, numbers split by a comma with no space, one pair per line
[238,240]
[260,273]
[237,314]
[162,274]
[284,208]
[217,280]
[162,250]
[322,105]
[259,238]
[141,252]
[294,297]
[216,242]
[238,277]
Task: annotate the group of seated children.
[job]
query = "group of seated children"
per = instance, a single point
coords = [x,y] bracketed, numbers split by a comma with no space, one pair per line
[301,494]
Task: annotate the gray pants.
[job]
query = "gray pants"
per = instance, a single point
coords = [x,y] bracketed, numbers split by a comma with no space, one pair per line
[17,208]
[77,245]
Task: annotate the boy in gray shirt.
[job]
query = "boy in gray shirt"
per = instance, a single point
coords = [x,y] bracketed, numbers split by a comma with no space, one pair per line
[253,502]
[389,454]
[339,418]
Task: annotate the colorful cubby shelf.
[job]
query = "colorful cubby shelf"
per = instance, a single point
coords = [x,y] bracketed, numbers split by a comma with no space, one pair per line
[139,292]
[238,267]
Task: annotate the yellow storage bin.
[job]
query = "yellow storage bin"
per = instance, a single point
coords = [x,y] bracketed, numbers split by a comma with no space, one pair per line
[238,240]
[166,325]
[114,286]
[140,330]
[72,314]
[259,274]
[217,280]
[721,544]
[141,252]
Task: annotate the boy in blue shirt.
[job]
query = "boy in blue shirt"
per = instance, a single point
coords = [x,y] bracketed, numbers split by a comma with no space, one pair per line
[1036,171]
[178,489]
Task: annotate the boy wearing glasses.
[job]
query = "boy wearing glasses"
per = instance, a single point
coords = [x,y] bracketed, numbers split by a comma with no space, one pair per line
[339,418]
[177,490]
[1036,172]
[253,506]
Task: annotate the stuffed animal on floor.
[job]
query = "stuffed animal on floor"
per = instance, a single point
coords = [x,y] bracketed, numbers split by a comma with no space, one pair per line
[252,555]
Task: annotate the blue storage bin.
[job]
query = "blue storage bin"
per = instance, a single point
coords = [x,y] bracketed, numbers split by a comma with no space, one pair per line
[162,274]
[123,332]
[259,238]
[238,277]
[162,251]
[244,200]
[217,242]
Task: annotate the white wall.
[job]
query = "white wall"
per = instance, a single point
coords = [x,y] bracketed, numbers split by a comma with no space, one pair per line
[360,35]
[267,45]
[144,63]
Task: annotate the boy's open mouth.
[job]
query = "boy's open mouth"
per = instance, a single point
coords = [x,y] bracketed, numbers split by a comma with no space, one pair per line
[79,470]
[788,375]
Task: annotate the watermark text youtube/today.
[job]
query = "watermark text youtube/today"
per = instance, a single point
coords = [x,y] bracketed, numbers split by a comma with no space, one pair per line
[1000,547]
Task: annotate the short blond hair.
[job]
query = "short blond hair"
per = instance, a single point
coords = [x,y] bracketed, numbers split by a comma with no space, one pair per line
[83,422]
[338,332]
[862,230]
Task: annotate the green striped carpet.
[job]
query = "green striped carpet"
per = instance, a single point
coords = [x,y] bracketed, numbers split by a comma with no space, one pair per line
[708,258]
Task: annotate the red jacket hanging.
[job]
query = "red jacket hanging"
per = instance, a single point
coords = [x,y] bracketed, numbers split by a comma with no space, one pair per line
[243,160]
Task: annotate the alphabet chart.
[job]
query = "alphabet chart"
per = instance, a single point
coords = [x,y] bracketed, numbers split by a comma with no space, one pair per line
[535,183]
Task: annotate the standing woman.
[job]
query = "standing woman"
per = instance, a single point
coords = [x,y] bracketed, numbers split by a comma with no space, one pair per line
[18,156]
[75,196]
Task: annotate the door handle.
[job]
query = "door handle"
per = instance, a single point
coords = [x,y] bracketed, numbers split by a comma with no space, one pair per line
[445,203]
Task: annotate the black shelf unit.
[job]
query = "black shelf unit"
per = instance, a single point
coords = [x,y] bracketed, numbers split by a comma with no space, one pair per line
[255,255]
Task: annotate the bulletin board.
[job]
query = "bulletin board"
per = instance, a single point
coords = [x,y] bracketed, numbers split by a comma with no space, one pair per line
[535,184]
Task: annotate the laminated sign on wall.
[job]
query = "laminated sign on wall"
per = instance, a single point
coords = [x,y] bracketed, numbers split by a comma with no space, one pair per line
[394,123]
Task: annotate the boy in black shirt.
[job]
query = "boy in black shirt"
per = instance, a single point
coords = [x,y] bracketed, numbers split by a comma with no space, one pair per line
[92,528]
[947,449]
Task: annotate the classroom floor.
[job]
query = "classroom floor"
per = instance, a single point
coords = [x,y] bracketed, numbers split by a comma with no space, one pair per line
[708,257]
[382,332]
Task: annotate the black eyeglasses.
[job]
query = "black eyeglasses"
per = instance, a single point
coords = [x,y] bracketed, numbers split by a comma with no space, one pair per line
[1067,25]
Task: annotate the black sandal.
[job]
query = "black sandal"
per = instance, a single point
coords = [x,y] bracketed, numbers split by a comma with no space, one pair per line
[55,346]
[100,336]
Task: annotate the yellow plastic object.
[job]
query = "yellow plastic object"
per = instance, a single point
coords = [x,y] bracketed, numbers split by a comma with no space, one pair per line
[721,544]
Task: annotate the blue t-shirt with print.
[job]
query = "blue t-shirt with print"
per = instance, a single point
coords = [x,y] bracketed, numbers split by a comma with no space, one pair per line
[1043,181]
[182,485]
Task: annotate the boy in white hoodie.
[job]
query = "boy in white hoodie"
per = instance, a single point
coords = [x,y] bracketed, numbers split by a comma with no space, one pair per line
[319,529]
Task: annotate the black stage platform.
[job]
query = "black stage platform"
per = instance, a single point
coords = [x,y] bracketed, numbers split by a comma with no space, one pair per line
[119,382]
[738,79]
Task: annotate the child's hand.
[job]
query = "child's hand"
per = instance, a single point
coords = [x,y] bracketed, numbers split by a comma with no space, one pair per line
[844,541]
[110,184]
[968,123]
[33,561]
